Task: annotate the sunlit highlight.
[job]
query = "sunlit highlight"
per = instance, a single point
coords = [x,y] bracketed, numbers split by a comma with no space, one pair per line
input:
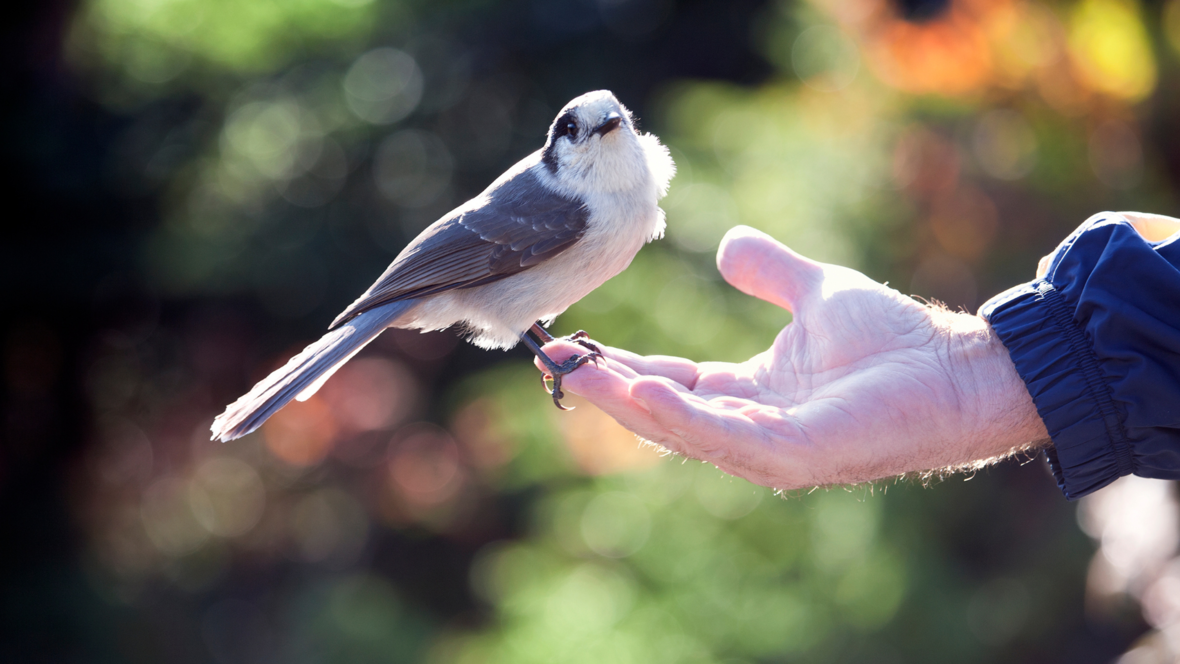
[1110,48]
[301,434]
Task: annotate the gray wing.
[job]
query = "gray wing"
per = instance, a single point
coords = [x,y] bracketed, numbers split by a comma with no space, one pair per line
[516,224]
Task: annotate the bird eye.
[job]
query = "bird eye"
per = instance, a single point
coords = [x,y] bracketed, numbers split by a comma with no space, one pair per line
[571,128]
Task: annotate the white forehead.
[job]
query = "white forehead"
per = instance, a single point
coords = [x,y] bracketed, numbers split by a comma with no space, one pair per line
[594,104]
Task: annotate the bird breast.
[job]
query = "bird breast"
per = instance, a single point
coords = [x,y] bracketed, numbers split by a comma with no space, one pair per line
[497,313]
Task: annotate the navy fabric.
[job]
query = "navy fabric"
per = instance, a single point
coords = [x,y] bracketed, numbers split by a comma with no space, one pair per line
[1097,342]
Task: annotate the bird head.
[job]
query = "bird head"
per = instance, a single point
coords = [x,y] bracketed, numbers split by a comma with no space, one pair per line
[593,145]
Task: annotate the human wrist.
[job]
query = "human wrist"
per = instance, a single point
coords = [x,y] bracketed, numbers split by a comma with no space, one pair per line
[999,415]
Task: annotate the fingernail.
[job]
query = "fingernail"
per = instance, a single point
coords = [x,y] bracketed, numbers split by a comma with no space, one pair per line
[642,404]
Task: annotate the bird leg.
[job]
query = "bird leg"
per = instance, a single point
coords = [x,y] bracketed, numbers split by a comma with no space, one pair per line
[580,337]
[556,371]
[540,333]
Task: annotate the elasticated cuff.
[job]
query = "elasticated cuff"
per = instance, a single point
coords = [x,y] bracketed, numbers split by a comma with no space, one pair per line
[1060,370]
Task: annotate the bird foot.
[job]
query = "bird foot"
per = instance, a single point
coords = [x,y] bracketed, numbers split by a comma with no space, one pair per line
[582,339]
[564,368]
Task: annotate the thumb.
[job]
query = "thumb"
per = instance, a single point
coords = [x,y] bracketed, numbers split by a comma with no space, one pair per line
[758,265]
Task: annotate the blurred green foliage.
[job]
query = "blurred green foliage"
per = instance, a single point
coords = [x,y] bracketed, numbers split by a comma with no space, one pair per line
[158,41]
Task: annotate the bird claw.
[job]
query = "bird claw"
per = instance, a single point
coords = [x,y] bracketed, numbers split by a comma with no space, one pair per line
[563,369]
[555,391]
[582,339]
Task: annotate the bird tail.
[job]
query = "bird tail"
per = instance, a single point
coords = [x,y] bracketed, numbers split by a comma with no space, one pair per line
[305,373]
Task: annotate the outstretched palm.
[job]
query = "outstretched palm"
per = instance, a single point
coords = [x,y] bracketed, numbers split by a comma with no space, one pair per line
[865,383]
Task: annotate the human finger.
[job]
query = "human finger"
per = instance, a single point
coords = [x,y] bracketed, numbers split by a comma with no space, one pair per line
[758,265]
[1043,265]
[1153,227]
[609,390]
[679,369]
[629,364]
[725,437]
[559,350]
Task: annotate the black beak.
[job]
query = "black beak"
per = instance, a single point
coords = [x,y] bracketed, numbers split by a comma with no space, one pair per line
[612,123]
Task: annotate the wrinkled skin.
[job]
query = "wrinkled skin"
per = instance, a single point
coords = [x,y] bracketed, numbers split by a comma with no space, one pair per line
[865,383]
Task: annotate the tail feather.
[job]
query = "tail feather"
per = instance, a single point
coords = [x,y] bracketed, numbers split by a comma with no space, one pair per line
[305,373]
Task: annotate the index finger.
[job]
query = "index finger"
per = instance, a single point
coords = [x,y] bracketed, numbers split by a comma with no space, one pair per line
[679,369]
[631,365]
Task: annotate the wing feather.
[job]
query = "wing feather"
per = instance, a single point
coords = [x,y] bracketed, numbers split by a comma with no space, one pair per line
[516,224]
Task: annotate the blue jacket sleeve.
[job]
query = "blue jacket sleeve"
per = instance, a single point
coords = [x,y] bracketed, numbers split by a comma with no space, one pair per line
[1097,342]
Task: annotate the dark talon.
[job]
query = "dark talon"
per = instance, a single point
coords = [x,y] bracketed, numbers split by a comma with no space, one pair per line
[580,337]
[574,362]
[568,367]
[558,395]
[556,392]
[592,347]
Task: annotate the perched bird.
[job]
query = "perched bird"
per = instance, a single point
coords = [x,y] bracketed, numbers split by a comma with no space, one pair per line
[551,229]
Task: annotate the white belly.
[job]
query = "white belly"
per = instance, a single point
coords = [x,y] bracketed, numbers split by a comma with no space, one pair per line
[498,313]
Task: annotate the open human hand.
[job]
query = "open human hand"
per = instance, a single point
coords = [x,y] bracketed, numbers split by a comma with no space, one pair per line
[865,382]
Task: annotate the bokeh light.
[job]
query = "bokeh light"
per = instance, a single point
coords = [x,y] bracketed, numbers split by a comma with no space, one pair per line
[301,435]
[168,517]
[329,526]
[412,167]
[1005,145]
[227,497]
[1116,154]
[383,86]
[615,525]
[1110,47]
[825,58]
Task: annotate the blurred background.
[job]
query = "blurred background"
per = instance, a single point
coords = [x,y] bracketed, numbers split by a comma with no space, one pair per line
[196,187]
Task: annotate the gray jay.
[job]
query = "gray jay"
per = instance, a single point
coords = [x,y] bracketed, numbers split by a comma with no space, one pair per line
[551,229]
